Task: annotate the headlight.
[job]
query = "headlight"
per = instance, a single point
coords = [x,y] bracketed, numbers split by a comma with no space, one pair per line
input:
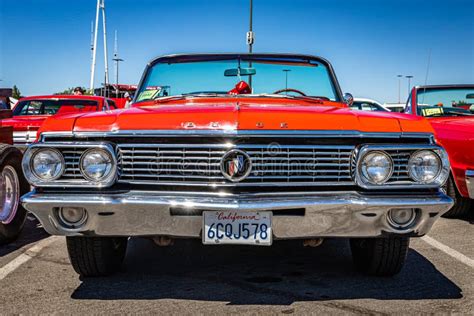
[96,164]
[47,164]
[424,166]
[376,167]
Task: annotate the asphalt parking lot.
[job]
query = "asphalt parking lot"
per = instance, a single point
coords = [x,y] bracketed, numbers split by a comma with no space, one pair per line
[188,278]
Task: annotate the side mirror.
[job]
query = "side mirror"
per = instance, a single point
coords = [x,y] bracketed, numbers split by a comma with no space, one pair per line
[348,99]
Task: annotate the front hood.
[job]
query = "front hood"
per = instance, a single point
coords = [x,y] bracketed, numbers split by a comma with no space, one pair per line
[239,116]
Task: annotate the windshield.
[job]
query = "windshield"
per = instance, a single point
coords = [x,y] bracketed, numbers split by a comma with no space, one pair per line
[51,107]
[238,77]
[445,102]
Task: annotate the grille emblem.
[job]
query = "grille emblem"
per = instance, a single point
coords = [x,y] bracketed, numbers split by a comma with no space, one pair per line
[236,165]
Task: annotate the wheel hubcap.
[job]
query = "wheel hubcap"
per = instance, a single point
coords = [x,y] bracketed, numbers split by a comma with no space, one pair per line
[9,194]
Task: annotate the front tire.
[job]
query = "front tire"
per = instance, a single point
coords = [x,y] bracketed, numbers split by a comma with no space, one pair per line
[461,205]
[380,256]
[12,186]
[96,256]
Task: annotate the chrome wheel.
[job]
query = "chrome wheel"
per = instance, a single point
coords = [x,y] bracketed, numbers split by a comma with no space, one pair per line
[9,194]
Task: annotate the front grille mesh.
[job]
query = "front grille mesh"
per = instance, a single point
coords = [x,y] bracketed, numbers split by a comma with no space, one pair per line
[200,164]
[400,160]
[72,156]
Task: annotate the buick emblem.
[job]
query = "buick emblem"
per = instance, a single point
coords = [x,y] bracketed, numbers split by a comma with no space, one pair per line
[236,165]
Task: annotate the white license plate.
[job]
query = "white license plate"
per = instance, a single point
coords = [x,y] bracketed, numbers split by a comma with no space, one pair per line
[238,228]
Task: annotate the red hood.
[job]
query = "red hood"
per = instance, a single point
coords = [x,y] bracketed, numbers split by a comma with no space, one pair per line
[23,123]
[243,115]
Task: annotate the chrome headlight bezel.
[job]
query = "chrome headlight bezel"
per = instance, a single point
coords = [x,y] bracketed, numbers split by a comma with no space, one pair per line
[411,163]
[110,173]
[29,171]
[61,147]
[366,176]
[438,182]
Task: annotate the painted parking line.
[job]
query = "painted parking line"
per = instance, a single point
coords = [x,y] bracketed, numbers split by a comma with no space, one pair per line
[449,251]
[26,256]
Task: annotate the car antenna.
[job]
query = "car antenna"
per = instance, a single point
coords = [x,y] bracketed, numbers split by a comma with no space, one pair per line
[426,76]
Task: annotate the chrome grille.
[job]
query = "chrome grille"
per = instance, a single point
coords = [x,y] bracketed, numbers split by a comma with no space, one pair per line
[199,164]
[72,156]
[400,160]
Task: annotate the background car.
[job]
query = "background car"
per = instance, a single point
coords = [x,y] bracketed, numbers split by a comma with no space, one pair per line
[30,112]
[12,185]
[116,92]
[448,109]
[395,107]
[367,105]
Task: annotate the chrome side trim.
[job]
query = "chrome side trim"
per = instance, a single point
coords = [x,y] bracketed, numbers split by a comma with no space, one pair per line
[441,179]
[24,137]
[237,133]
[339,214]
[470,182]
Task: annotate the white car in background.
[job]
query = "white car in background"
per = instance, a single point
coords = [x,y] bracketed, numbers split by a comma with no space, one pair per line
[367,105]
[395,107]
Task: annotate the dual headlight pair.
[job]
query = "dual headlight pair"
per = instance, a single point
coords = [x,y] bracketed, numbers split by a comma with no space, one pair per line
[96,165]
[425,167]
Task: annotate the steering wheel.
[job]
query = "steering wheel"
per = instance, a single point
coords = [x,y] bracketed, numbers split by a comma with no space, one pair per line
[289,90]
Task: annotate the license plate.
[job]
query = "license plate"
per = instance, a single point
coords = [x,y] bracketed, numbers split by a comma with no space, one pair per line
[238,228]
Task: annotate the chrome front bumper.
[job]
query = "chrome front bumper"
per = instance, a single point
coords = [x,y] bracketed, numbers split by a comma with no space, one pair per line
[470,182]
[336,214]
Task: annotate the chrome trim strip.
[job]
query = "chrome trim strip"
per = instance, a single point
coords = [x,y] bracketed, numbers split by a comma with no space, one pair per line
[237,184]
[442,177]
[237,133]
[470,182]
[339,214]
[24,137]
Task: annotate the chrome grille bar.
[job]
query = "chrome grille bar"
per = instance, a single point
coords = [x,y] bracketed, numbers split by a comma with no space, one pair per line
[199,164]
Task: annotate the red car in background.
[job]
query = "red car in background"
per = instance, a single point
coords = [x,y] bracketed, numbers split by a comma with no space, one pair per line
[29,113]
[450,109]
[119,93]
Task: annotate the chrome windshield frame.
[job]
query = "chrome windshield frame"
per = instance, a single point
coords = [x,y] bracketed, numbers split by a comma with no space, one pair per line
[180,58]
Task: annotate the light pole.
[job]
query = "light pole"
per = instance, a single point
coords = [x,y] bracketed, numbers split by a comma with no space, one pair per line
[286,79]
[409,83]
[117,60]
[250,40]
[250,35]
[399,85]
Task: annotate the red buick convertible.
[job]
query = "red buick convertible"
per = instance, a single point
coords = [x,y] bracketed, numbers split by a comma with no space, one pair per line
[29,113]
[234,154]
[450,109]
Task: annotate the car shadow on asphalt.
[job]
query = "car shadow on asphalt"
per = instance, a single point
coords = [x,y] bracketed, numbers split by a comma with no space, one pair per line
[278,275]
[31,233]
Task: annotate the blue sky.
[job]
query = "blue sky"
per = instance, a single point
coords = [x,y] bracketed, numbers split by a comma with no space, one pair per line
[45,44]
